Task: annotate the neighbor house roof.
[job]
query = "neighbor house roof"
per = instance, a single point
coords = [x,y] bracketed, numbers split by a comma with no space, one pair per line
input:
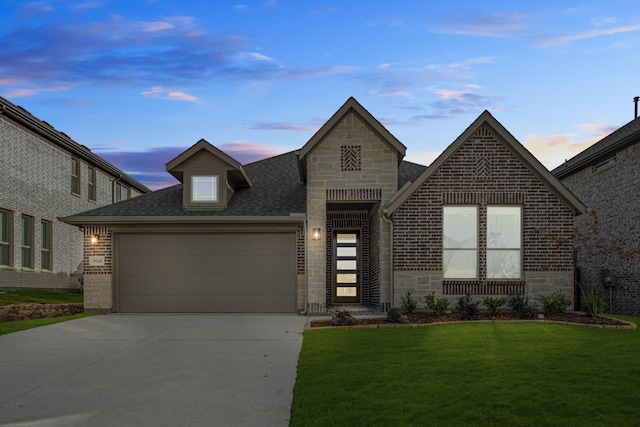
[608,146]
[516,148]
[48,132]
[350,105]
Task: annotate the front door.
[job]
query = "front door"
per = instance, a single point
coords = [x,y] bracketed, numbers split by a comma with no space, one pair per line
[346,266]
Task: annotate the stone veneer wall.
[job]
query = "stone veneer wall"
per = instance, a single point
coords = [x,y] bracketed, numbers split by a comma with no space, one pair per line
[31,310]
[378,172]
[483,172]
[612,198]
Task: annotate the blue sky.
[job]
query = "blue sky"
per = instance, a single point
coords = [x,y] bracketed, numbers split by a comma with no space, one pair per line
[140,81]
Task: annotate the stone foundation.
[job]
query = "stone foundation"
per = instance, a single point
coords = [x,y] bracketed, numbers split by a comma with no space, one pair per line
[26,311]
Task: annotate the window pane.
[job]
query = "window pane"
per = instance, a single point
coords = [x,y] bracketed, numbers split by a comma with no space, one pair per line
[204,188]
[460,227]
[346,264]
[503,264]
[461,264]
[346,238]
[4,254]
[347,278]
[504,227]
[343,291]
[4,226]
[44,260]
[45,235]
[346,251]
[26,231]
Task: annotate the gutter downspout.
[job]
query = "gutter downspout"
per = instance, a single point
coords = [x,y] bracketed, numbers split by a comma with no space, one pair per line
[391,277]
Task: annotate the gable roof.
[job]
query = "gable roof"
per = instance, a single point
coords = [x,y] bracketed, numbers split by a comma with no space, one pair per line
[203,144]
[338,116]
[620,139]
[516,148]
[62,140]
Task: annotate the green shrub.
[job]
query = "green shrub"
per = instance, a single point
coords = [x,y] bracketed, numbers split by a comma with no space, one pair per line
[467,308]
[394,316]
[342,317]
[521,306]
[593,304]
[409,303]
[439,306]
[494,305]
[556,303]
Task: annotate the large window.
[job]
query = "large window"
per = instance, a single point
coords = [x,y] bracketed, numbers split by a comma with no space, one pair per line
[75,175]
[504,242]
[91,183]
[121,192]
[27,241]
[5,237]
[460,242]
[45,245]
[204,188]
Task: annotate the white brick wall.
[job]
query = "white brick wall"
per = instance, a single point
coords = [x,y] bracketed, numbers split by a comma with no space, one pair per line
[36,181]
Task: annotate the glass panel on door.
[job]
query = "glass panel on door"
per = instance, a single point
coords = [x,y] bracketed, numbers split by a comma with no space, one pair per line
[346,263]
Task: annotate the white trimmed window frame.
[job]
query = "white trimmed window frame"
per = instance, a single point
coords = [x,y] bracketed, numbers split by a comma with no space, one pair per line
[205,189]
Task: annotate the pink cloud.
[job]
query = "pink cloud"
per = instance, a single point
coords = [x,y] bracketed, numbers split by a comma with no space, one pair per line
[172,95]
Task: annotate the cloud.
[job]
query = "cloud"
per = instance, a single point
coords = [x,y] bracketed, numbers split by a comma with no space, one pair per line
[281,126]
[566,39]
[80,7]
[172,95]
[484,25]
[247,152]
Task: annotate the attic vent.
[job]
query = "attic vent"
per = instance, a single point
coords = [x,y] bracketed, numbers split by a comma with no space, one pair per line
[483,168]
[354,194]
[350,156]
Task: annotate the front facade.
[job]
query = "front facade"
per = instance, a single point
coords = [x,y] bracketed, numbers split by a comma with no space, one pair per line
[342,221]
[46,175]
[605,176]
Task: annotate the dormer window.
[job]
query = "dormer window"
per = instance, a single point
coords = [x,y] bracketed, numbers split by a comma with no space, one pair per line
[204,188]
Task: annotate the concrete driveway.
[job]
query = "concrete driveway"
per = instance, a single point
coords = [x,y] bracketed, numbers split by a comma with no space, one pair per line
[152,370]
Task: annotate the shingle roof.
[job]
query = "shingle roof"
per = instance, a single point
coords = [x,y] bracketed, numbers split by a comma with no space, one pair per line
[609,145]
[276,191]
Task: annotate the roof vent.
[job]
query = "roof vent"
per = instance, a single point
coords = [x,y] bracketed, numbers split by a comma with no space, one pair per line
[635,110]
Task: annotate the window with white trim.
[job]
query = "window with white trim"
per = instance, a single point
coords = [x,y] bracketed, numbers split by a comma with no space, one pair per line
[121,192]
[460,242]
[504,242]
[204,188]
[45,245]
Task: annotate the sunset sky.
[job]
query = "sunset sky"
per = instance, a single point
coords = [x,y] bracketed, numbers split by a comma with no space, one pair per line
[140,81]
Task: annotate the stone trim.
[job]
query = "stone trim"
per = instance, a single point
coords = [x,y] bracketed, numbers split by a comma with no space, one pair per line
[354,194]
[456,287]
[32,310]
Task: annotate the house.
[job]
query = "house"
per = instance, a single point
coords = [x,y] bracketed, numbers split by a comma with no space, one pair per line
[343,220]
[45,175]
[606,177]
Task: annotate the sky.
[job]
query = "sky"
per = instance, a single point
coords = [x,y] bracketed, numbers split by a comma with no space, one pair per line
[140,81]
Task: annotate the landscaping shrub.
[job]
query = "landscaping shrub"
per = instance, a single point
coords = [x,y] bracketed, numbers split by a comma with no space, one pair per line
[593,304]
[394,316]
[521,307]
[439,306]
[494,305]
[342,317]
[556,303]
[467,308]
[409,303]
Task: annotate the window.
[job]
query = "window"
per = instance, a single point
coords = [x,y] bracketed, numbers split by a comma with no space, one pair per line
[75,176]
[45,246]
[504,242]
[5,237]
[460,242]
[204,188]
[27,241]
[121,192]
[91,183]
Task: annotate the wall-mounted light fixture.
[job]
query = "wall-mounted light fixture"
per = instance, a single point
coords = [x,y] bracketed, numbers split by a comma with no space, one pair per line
[315,235]
[94,239]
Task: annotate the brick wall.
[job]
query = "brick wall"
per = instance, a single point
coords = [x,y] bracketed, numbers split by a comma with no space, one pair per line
[483,171]
[36,181]
[612,193]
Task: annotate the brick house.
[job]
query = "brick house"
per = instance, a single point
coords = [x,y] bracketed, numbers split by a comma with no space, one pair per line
[605,176]
[45,175]
[343,220]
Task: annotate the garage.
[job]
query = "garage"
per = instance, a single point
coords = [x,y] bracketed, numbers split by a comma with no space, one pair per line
[205,272]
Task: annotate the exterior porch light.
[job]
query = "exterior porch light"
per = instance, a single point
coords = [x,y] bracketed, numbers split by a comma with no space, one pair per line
[94,239]
[316,234]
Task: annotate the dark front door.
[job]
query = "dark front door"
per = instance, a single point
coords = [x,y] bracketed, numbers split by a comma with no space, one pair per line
[346,266]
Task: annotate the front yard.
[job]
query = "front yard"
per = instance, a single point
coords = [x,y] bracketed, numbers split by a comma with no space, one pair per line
[469,374]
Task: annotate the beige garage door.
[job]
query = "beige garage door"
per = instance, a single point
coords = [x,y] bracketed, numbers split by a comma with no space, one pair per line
[206,273]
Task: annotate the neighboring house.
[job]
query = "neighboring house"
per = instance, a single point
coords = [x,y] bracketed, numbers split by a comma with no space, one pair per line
[606,177]
[344,220]
[46,175]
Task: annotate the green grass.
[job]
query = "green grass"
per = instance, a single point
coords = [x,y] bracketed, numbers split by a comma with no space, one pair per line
[22,325]
[484,374]
[45,297]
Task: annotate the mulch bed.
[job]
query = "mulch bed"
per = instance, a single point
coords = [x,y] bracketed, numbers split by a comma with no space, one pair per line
[425,318]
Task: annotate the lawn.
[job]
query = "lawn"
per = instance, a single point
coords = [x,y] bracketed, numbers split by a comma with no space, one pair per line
[45,297]
[481,374]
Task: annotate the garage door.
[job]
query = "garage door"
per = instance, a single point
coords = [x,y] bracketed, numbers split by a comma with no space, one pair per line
[206,273]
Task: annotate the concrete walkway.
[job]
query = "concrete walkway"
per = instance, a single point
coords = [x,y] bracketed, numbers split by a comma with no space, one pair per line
[152,370]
